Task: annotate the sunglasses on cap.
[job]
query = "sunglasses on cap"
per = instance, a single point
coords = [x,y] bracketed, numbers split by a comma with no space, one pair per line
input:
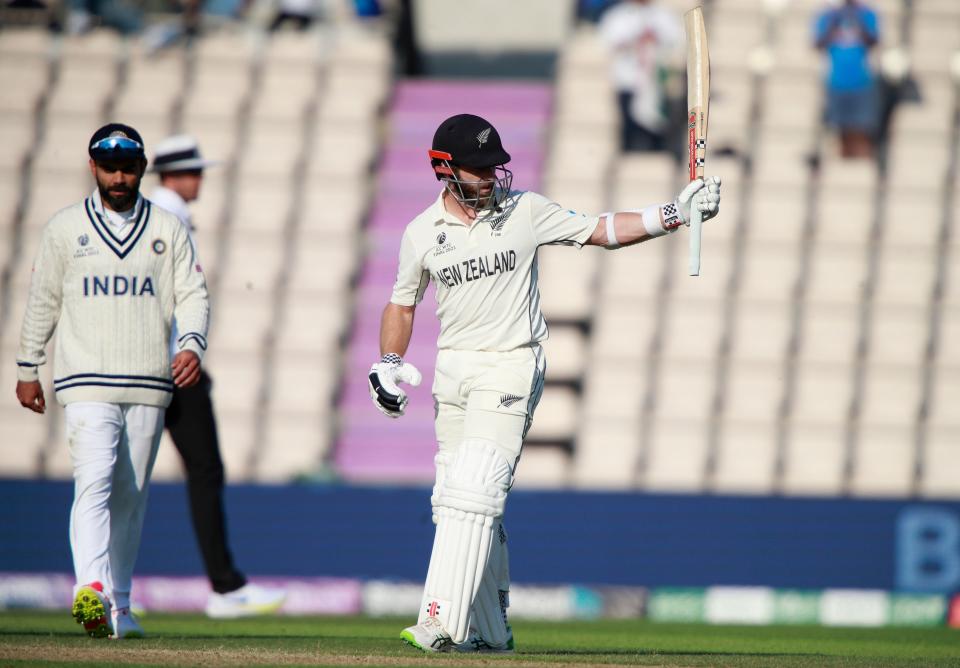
[116,147]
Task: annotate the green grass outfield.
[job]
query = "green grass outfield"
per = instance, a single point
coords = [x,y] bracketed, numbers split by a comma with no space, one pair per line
[44,638]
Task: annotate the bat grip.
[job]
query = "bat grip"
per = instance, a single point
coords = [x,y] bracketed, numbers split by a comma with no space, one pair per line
[696,223]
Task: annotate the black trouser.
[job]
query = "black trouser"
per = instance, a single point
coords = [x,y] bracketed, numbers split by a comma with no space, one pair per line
[193,427]
[633,136]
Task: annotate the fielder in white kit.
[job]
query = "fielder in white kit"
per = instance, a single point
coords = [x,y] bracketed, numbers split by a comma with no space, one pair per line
[109,275]
[478,242]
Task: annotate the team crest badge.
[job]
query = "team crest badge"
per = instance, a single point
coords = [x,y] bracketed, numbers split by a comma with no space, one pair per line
[441,238]
[483,137]
[83,239]
[159,246]
[508,400]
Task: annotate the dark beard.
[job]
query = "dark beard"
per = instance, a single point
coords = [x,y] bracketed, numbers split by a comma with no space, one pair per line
[123,203]
[473,193]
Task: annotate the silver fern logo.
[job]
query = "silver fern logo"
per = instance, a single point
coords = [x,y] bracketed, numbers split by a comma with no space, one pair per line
[483,137]
[508,400]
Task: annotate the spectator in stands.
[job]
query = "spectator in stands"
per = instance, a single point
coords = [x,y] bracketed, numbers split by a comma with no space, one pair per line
[640,34]
[121,15]
[592,10]
[191,421]
[847,33]
[298,13]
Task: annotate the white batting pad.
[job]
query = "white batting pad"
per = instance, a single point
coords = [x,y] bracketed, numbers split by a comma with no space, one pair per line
[441,461]
[489,614]
[471,498]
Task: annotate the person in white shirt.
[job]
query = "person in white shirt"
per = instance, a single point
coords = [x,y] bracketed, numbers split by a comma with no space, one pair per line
[478,243]
[191,420]
[640,35]
[110,274]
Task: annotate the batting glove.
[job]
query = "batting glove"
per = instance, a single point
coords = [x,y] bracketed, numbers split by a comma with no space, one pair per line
[383,379]
[704,194]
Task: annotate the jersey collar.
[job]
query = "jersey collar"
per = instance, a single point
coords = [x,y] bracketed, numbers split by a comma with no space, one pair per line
[441,215]
[121,247]
[97,202]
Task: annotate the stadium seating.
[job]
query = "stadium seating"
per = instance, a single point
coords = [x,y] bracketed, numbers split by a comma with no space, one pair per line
[816,355]
[279,216]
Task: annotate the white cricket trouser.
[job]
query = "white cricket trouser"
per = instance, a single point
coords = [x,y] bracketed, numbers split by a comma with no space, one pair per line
[113,447]
[489,396]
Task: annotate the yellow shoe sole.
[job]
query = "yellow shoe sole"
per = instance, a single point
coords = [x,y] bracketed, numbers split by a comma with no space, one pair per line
[91,613]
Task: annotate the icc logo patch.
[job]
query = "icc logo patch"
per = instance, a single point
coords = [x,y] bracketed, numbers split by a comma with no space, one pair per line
[444,245]
[158,246]
[85,250]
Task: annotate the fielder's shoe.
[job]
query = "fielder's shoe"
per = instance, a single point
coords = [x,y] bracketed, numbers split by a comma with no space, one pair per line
[248,601]
[125,625]
[475,644]
[430,636]
[91,609]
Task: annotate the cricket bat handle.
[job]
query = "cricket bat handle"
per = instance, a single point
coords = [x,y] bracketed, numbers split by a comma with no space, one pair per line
[696,222]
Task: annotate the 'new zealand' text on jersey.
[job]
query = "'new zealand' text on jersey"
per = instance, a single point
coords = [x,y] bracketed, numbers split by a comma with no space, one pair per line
[486,273]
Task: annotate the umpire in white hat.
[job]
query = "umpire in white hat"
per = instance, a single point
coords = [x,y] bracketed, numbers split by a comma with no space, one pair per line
[180,167]
[191,420]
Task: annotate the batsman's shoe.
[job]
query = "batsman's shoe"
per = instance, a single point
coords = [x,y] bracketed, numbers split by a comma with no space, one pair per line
[429,636]
[125,625]
[91,609]
[248,601]
[475,644]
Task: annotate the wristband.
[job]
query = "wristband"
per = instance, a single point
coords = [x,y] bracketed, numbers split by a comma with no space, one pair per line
[661,219]
[651,221]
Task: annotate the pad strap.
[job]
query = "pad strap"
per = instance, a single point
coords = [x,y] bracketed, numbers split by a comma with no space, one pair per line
[612,242]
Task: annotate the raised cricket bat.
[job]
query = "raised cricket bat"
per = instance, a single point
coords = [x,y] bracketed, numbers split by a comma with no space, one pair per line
[698,110]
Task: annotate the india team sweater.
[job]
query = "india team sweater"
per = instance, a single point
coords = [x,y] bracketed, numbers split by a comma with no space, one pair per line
[112,301]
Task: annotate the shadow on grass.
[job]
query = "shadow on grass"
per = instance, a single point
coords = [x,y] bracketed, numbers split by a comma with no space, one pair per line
[179,636]
[653,652]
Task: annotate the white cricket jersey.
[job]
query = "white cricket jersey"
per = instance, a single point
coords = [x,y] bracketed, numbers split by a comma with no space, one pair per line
[172,202]
[640,37]
[111,299]
[486,273]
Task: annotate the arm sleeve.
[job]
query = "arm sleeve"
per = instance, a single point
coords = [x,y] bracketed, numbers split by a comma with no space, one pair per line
[871,23]
[43,307]
[552,224]
[191,308]
[412,276]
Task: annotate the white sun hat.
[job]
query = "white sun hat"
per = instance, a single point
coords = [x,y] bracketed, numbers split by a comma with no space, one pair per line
[179,153]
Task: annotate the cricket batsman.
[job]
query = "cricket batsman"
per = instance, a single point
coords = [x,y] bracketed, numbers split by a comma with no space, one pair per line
[478,242]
